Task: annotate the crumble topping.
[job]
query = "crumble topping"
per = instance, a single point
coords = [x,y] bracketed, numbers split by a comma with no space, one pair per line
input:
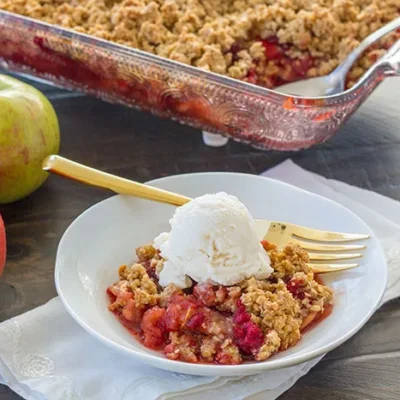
[138,281]
[182,347]
[228,353]
[145,253]
[221,324]
[310,295]
[209,348]
[226,36]
[273,307]
[287,262]
[271,345]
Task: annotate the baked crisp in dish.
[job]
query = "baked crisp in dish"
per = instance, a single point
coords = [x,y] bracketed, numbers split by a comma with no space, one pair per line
[249,321]
[265,42]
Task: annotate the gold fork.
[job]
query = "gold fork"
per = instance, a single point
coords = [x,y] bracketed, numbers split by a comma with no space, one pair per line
[323,247]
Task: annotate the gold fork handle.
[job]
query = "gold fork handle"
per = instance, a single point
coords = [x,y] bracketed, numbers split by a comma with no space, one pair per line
[81,173]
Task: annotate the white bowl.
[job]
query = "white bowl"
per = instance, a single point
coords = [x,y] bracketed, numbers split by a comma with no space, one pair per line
[106,235]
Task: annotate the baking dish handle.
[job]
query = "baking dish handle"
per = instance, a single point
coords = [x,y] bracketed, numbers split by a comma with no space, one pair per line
[390,62]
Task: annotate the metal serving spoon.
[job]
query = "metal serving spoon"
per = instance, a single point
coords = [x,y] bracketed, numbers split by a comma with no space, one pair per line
[334,82]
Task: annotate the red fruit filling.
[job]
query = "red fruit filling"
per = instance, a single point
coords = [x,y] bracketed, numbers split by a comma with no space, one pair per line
[183,313]
[279,67]
[153,327]
[296,287]
[132,313]
[205,293]
[273,50]
[241,316]
[247,335]
[196,321]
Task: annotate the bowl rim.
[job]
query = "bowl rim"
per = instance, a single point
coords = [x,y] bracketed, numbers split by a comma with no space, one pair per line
[224,370]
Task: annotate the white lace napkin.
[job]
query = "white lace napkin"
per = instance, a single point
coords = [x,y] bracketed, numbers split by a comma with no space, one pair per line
[45,355]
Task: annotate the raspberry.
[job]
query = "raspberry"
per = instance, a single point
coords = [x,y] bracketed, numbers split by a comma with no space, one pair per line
[241,315]
[248,337]
[196,321]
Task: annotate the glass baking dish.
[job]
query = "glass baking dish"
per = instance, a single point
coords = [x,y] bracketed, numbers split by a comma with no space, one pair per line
[213,103]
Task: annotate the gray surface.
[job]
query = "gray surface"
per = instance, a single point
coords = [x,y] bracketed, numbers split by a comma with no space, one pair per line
[366,153]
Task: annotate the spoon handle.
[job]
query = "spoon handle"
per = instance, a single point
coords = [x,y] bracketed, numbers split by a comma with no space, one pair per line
[352,57]
[81,173]
[392,58]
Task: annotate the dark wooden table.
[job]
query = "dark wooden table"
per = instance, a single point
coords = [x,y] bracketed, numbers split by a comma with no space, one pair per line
[366,153]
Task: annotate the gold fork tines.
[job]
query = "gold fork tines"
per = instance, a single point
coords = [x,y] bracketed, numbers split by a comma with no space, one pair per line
[333,257]
[326,268]
[312,246]
[324,256]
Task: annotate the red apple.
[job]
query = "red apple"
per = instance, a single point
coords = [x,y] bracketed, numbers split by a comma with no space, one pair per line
[2,246]
[29,132]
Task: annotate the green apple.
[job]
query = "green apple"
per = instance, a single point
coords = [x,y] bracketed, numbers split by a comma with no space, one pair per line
[2,246]
[29,132]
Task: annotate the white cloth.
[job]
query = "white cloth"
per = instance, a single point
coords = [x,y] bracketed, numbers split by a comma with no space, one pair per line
[45,355]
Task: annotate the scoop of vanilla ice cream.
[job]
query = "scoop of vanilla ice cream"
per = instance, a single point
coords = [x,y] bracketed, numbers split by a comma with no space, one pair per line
[212,238]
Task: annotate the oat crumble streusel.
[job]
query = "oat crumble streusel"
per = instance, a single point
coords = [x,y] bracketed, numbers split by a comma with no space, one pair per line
[267,42]
[221,324]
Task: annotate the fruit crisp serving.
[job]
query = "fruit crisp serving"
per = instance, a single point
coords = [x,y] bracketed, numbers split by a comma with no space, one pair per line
[265,42]
[249,321]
